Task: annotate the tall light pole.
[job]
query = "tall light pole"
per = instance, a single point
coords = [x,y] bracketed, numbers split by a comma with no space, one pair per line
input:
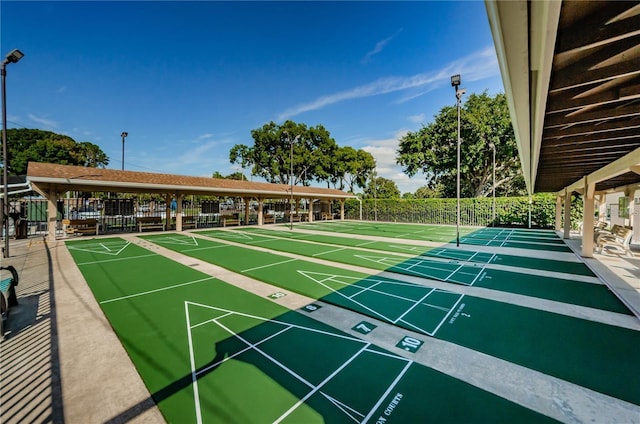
[13,57]
[291,178]
[493,219]
[123,135]
[455,83]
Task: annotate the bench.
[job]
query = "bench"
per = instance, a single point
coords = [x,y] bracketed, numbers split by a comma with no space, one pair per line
[189,222]
[296,218]
[81,226]
[150,223]
[230,220]
[8,296]
[326,216]
[618,237]
[269,219]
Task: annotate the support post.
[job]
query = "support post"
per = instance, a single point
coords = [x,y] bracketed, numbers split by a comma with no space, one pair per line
[52,215]
[179,198]
[310,211]
[587,220]
[260,211]
[342,209]
[247,200]
[567,214]
[558,225]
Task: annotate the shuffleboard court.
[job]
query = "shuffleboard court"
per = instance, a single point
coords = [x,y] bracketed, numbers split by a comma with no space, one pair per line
[210,352]
[570,267]
[558,289]
[434,233]
[515,238]
[587,353]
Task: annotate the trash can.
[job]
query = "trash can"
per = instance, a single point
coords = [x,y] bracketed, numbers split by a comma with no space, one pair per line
[21,229]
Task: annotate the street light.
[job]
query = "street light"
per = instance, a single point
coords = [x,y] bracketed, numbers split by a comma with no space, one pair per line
[455,83]
[493,220]
[13,57]
[123,135]
[291,179]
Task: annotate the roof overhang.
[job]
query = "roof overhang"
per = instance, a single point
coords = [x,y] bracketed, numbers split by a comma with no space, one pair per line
[45,177]
[571,72]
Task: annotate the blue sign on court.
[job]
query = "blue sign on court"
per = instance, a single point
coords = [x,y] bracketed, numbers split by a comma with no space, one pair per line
[410,344]
[364,327]
[312,307]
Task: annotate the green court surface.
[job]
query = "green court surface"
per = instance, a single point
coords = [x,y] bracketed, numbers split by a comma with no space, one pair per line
[497,237]
[570,267]
[558,289]
[588,353]
[212,353]
[435,233]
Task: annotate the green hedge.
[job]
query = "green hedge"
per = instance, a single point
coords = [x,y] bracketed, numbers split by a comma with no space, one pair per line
[510,211]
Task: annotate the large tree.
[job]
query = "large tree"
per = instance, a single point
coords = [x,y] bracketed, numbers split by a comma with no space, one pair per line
[316,156]
[26,145]
[433,149]
[381,188]
[352,168]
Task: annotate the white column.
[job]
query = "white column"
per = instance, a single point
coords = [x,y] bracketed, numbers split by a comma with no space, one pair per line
[567,214]
[342,209]
[247,200]
[260,211]
[558,213]
[587,219]
[179,198]
[52,215]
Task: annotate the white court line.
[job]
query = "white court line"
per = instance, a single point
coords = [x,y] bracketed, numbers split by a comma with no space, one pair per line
[220,246]
[194,379]
[319,386]
[268,265]
[328,251]
[156,290]
[116,259]
[447,315]
[364,289]
[313,330]
[346,409]
[414,305]
[386,393]
[240,352]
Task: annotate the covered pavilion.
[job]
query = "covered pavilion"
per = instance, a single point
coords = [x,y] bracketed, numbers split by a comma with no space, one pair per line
[53,181]
[571,72]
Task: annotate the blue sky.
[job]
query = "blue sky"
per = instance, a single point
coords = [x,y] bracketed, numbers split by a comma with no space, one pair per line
[188,80]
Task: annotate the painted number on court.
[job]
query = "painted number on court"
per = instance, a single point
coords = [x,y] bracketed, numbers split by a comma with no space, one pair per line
[311,307]
[277,295]
[364,327]
[410,344]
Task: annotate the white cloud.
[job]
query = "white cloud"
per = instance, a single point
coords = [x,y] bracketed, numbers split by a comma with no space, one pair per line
[380,45]
[479,65]
[384,152]
[43,121]
[416,119]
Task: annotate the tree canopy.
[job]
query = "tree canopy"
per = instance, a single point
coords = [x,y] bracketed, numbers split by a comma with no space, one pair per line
[24,145]
[316,156]
[381,188]
[433,149]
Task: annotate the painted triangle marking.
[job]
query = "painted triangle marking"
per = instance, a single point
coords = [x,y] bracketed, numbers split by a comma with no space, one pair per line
[111,249]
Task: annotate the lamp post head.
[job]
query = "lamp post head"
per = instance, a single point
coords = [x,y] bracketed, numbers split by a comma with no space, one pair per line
[492,146]
[14,56]
[455,81]
[124,134]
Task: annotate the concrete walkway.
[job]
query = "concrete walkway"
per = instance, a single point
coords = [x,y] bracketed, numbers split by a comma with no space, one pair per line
[62,363]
